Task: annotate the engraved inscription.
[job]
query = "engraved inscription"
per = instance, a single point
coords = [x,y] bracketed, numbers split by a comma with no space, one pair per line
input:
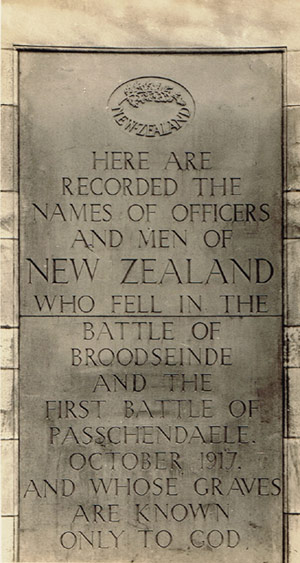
[151,317]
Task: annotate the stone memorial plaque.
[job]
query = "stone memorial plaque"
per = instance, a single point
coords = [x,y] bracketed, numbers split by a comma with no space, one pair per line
[150,306]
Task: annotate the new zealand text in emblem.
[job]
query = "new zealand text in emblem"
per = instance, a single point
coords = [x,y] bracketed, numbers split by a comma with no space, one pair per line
[151,106]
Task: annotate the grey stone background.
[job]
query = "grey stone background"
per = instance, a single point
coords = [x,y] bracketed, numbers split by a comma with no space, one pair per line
[136,23]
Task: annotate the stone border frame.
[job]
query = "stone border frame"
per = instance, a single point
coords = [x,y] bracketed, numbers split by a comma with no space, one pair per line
[9,235]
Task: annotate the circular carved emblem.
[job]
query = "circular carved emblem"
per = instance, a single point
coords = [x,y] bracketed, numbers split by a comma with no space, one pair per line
[151,106]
